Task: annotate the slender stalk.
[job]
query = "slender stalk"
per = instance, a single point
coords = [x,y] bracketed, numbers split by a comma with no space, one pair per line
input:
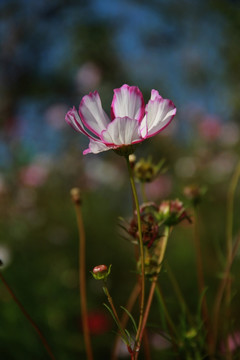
[28,317]
[137,344]
[229,229]
[129,306]
[143,191]
[146,346]
[122,332]
[178,291]
[220,293]
[75,193]
[170,322]
[152,289]
[200,277]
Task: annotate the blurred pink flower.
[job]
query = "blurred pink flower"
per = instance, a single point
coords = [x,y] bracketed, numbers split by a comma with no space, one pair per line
[98,322]
[233,342]
[54,115]
[160,342]
[33,175]
[161,187]
[88,77]
[210,127]
[131,123]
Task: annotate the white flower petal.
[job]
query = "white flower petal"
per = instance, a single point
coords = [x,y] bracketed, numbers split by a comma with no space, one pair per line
[73,119]
[96,147]
[144,128]
[122,131]
[92,113]
[127,101]
[159,113]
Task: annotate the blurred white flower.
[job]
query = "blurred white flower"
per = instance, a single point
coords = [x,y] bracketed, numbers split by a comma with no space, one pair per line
[5,256]
[229,135]
[103,172]
[222,165]
[3,186]
[185,167]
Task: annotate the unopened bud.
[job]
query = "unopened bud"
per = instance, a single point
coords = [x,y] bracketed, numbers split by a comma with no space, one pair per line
[172,212]
[101,272]
[76,196]
[132,160]
[194,193]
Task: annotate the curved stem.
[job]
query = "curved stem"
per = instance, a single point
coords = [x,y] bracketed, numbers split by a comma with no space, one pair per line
[225,284]
[116,317]
[137,345]
[200,278]
[129,306]
[82,272]
[28,317]
[164,240]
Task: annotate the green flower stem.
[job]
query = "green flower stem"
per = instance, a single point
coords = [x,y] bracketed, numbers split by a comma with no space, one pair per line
[172,328]
[28,317]
[226,283]
[140,323]
[220,293]
[200,277]
[82,272]
[178,291]
[143,191]
[152,289]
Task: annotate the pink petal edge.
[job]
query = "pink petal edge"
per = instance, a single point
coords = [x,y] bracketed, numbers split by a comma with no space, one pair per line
[170,104]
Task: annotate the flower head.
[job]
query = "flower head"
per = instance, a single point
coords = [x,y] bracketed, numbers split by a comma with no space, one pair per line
[131,121]
[101,272]
[172,212]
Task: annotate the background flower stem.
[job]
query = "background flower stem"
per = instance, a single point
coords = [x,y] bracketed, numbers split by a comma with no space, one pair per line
[28,317]
[82,272]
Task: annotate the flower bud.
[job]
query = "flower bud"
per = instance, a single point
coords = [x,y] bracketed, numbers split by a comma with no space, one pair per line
[132,160]
[76,196]
[101,272]
[146,171]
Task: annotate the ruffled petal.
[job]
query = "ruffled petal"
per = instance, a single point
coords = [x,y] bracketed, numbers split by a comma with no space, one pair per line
[128,101]
[73,119]
[155,94]
[96,147]
[159,113]
[92,114]
[122,131]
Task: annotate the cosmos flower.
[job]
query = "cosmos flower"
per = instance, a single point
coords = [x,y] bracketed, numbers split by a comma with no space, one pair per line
[131,121]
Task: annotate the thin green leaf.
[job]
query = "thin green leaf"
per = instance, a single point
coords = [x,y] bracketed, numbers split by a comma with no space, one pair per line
[112,314]
[131,317]
[122,334]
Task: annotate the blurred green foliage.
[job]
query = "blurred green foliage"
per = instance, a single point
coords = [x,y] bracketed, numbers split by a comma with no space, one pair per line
[41,159]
